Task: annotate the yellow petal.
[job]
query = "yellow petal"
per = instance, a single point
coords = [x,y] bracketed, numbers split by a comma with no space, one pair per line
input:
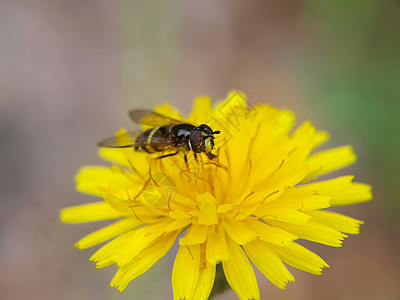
[356,193]
[185,272]
[230,116]
[197,234]
[118,204]
[208,210]
[273,127]
[139,241]
[313,231]
[216,250]
[107,232]
[286,120]
[104,256]
[320,138]
[270,234]
[167,110]
[301,258]
[327,187]
[202,111]
[301,144]
[179,214]
[89,213]
[141,263]
[239,232]
[282,180]
[268,262]
[330,160]
[224,208]
[144,236]
[300,199]
[239,273]
[94,180]
[337,221]
[137,161]
[341,190]
[282,214]
[205,281]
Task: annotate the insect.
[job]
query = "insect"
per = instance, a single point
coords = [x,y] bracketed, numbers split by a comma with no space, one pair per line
[167,134]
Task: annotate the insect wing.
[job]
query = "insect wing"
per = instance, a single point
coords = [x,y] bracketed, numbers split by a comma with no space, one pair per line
[156,142]
[151,118]
[123,140]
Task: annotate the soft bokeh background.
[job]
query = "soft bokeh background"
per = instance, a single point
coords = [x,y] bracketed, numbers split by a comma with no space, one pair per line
[70,70]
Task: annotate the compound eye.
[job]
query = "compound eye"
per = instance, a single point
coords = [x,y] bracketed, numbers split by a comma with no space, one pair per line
[196,141]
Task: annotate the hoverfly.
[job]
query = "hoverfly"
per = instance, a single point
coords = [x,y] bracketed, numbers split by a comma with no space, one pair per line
[167,134]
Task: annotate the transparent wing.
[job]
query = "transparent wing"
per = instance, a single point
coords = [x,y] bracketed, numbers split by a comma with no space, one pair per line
[126,139]
[151,118]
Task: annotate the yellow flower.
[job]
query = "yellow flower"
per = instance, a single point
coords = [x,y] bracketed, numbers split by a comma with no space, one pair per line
[253,203]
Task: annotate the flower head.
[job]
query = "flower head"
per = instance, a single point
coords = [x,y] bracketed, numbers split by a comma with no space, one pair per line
[252,202]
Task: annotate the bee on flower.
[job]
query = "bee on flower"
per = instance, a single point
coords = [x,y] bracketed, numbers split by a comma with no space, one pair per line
[230,183]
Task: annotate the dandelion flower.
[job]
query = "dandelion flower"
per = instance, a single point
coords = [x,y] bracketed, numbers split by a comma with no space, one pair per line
[263,194]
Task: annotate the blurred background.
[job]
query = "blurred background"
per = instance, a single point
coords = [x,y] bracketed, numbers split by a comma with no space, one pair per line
[70,71]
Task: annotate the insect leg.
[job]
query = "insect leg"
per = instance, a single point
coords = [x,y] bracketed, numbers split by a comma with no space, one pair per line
[167,155]
[216,163]
[163,156]
[146,181]
[186,161]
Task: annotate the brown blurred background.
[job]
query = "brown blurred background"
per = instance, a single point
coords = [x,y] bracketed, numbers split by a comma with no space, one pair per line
[70,70]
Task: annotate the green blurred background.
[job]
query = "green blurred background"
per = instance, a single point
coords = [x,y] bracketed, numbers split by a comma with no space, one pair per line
[70,70]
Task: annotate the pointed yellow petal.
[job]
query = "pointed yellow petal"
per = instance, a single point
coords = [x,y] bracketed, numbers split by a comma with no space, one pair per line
[270,234]
[330,160]
[239,232]
[197,234]
[301,258]
[268,262]
[88,213]
[107,232]
[313,231]
[185,272]
[147,258]
[216,250]
[239,273]
[337,221]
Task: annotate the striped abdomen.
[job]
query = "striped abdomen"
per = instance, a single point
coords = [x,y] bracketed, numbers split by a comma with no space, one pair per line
[154,140]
